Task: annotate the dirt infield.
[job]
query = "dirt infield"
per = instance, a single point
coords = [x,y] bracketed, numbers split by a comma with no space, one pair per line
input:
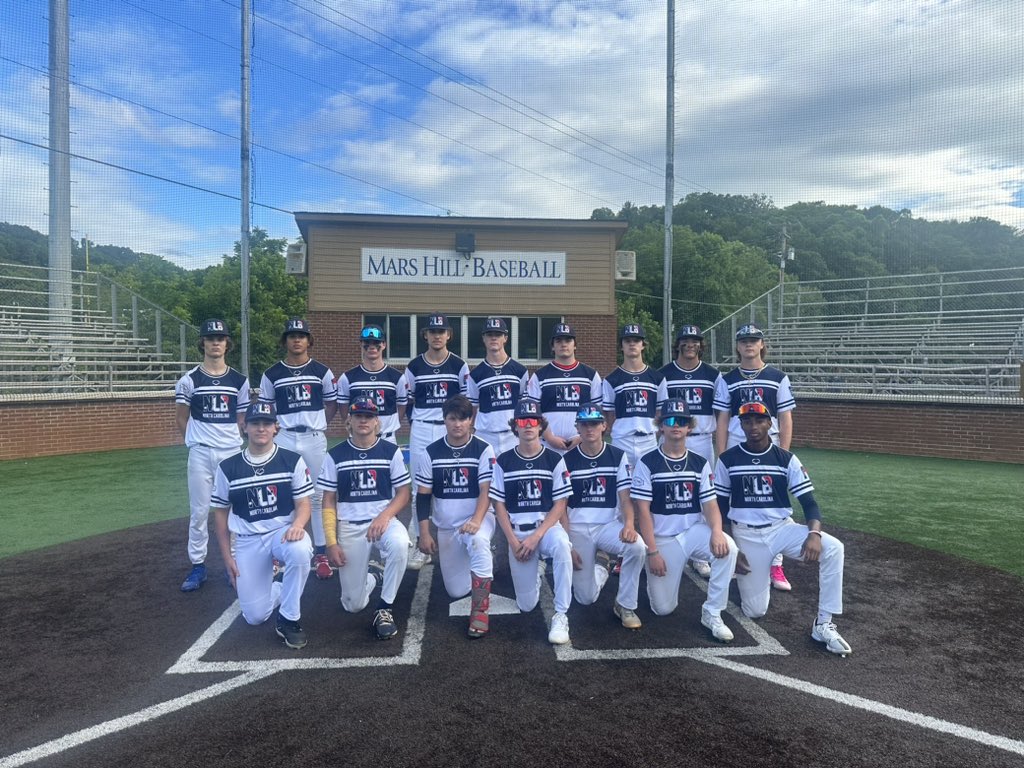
[93,628]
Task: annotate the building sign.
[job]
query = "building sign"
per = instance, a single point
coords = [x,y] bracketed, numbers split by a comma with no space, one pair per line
[419,265]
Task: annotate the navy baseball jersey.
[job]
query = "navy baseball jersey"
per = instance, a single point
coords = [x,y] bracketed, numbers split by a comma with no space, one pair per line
[365,479]
[386,387]
[299,392]
[633,396]
[431,386]
[453,476]
[260,496]
[758,484]
[697,387]
[768,385]
[214,403]
[596,484]
[675,488]
[561,391]
[495,390]
[529,486]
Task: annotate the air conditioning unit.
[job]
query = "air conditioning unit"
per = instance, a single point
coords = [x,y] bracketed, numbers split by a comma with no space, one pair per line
[625,265]
[295,258]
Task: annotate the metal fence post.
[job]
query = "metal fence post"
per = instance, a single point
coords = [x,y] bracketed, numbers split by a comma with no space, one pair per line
[135,316]
[158,332]
[181,330]
[113,302]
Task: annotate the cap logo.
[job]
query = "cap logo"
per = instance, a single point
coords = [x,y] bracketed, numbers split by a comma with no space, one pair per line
[494,324]
[216,325]
[437,320]
[632,330]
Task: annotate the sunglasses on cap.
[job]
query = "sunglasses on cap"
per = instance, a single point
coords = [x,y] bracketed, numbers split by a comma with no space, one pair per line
[527,422]
[676,421]
[371,334]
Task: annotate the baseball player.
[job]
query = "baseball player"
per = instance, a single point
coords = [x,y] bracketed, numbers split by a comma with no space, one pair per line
[753,481]
[366,485]
[305,395]
[562,387]
[210,402]
[261,497]
[754,381]
[679,518]
[529,487]
[431,378]
[630,393]
[455,474]
[495,386]
[377,380]
[695,382]
[600,515]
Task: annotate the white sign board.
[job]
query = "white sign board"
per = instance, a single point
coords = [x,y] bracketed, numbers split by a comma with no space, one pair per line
[418,265]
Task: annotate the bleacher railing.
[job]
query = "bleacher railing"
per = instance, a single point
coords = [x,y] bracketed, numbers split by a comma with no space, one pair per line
[945,335]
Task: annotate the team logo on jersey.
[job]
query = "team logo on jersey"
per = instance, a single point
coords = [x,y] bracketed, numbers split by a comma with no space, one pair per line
[379,396]
[502,392]
[679,493]
[363,482]
[262,501]
[439,390]
[217,404]
[530,493]
[758,488]
[693,396]
[595,489]
[637,399]
[570,393]
[300,394]
[457,479]
[751,395]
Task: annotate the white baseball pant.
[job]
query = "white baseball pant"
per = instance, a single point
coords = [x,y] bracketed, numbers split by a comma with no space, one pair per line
[312,446]
[695,542]
[590,579]
[356,582]
[463,554]
[555,545]
[258,593]
[202,466]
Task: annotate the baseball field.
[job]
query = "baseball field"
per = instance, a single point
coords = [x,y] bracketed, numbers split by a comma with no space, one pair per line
[107,663]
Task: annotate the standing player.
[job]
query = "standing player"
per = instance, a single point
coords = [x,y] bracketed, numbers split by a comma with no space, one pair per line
[432,378]
[753,481]
[305,394]
[600,515]
[377,380]
[754,381]
[530,487]
[366,485]
[261,496]
[495,386]
[210,402]
[562,387]
[675,502]
[693,380]
[631,394]
[455,473]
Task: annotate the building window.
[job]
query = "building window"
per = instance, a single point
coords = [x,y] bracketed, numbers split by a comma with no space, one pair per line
[528,336]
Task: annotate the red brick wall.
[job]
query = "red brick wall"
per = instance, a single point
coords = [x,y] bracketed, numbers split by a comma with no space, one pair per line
[961,431]
[44,428]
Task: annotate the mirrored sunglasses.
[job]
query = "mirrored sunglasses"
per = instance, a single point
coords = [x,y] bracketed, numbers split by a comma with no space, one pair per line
[676,421]
[372,333]
[527,422]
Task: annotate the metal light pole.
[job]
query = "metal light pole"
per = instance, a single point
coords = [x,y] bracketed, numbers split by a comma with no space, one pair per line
[244,241]
[60,165]
[670,143]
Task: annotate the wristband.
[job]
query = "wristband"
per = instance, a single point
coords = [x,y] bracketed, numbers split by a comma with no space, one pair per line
[817,533]
[330,518]
[653,553]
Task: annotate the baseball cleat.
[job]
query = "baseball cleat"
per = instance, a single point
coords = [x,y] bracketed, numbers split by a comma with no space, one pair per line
[702,568]
[559,632]
[291,633]
[384,624]
[627,616]
[195,579]
[479,621]
[779,580]
[604,560]
[718,629]
[322,567]
[417,559]
[828,634]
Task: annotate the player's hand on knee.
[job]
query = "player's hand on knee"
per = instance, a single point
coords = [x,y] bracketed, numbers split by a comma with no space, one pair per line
[811,551]
[627,534]
[470,527]
[656,565]
[377,528]
[719,544]
[294,533]
[336,555]
[577,560]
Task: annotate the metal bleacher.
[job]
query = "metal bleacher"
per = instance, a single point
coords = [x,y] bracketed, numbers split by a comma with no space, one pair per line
[109,341]
[956,335]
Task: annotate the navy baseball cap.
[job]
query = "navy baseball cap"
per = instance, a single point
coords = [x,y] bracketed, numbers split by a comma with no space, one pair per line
[749,331]
[260,412]
[296,325]
[527,409]
[214,327]
[496,325]
[689,332]
[562,330]
[372,333]
[754,409]
[674,406]
[632,331]
[364,405]
[437,322]
[589,413]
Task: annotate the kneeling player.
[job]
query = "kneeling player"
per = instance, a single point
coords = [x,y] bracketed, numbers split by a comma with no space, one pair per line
[455,472]
[261,495]
[365,486]
[601,517]
[529,488]
[671,488]
[753,481]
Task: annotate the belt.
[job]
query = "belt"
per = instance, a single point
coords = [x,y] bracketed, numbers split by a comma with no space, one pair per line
[299,429]
[525,526]
[698,434]
[755,527]
[429,421]
[358,522]
[638,433]
[387,435]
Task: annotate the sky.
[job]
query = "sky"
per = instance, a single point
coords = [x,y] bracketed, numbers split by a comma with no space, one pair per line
[511,109]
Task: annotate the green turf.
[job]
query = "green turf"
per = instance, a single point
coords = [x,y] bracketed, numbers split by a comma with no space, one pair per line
[963,508]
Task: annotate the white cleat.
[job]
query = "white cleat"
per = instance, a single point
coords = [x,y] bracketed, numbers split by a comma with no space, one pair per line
[718,629]
[559,633]
[828,634]
[417,559]
[702,568]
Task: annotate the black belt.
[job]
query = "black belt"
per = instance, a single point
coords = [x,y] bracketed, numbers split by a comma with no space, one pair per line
[299,429]
[525,526]
[429,421]
[695,434]
[755,527]
[638,433]
[358,522]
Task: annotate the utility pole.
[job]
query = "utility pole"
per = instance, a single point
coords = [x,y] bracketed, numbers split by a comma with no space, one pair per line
[670,151]
[246,7]
[60,166]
